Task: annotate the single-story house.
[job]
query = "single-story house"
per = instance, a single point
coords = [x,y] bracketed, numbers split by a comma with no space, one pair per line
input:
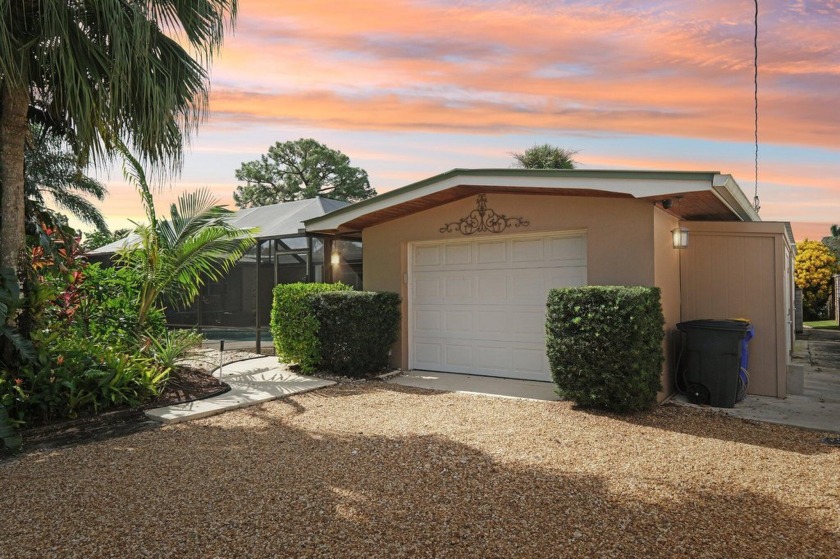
[474,252]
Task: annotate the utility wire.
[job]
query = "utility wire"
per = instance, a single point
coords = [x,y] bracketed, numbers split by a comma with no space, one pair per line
[756,201]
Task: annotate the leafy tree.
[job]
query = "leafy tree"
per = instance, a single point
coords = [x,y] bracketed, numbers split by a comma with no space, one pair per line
[544,156]
[99,238]
[297,170]
[174,256]
[833,241]
[53,169]
[110,70]
[813,270]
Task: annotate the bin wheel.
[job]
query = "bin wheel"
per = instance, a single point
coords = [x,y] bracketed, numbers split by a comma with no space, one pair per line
[698,394]
[741,394]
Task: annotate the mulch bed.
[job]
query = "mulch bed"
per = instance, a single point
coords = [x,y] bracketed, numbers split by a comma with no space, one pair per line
[186,384]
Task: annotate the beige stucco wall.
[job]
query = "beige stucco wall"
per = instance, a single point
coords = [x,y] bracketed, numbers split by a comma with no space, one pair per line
[620,247]
[737,270]
[667,278]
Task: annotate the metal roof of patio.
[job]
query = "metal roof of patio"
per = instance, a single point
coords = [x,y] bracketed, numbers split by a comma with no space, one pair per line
[273,222]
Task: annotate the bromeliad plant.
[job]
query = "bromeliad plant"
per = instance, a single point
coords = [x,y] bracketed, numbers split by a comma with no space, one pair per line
[175,256]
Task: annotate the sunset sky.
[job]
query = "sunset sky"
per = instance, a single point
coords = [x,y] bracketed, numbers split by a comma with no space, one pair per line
[411,88]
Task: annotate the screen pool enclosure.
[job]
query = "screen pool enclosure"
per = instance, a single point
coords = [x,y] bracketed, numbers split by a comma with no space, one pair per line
[238,306]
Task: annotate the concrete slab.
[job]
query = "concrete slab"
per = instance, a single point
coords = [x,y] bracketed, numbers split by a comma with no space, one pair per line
[796,411]
[252,382]
[817,354]
[474,384]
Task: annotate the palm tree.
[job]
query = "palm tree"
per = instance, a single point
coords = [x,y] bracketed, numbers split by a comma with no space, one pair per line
[545,156]
[110,70]
[175,256]
[53,170]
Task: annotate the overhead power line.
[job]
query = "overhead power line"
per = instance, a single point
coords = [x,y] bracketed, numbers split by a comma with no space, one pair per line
[756,201]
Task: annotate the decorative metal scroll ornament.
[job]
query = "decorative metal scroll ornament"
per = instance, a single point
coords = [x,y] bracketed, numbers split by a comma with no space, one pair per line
[483,220]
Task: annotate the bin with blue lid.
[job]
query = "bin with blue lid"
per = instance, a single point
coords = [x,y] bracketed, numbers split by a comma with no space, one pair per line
[712,365]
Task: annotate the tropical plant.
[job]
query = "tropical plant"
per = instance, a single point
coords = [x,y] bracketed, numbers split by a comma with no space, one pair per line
[166,350]
[54,171]
[174,257]
[108,308]
[73,375]
[13,345]
[833,241]
[110,70]
[9,437]
[544,156]
[297,170]
[814,267]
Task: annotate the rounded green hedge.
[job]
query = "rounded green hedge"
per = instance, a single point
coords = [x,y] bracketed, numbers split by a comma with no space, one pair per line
[605,345]
[294,325]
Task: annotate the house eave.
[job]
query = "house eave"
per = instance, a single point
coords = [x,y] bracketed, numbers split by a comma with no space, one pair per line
[648,185]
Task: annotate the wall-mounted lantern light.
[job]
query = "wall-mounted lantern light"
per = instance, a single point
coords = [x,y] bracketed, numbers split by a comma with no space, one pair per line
[335,260]
[679,237]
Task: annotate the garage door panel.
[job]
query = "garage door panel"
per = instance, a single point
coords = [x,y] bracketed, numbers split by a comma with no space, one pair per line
[492,286]
[527,324]
[458,254]
[490,322]
[458,287]
[493,358]
[491,252]
[528,251]
[458,355]
[528,360]
[478,306]
[427,255]
[427,320]
[523,283]
[458,321]
[428,353]
[427,288]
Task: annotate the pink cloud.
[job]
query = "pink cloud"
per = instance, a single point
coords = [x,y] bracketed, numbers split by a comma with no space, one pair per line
[666,68]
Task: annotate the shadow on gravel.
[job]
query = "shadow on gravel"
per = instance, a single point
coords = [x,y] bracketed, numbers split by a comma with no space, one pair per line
[699,423]
[259,487]
[715,425]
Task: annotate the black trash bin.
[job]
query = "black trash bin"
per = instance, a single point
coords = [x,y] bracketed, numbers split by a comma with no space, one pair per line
[709,370]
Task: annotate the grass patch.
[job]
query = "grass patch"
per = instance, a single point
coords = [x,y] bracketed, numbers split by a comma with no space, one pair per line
[822,324]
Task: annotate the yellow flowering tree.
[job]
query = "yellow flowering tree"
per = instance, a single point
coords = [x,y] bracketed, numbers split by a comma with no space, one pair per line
[814,267]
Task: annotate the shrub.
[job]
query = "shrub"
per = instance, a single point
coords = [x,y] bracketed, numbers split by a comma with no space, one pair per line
[109,308]
[356,331]
[814,267]
[294,326]
[605,345]
[10,440]
[73,375]
[172,346]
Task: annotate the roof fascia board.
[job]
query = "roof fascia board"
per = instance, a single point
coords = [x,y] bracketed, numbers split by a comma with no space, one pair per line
[728,191]
[640,184]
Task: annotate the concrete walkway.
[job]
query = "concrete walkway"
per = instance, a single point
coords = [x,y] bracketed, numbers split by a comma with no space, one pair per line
[474,384]
[252,381]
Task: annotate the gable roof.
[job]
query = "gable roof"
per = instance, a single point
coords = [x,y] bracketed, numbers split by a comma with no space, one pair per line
[707,195]
[274,221]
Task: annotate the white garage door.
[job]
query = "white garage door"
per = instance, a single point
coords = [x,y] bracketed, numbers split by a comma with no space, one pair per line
[478,306]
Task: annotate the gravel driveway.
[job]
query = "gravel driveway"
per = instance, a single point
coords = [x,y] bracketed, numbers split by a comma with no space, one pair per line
[374,470]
